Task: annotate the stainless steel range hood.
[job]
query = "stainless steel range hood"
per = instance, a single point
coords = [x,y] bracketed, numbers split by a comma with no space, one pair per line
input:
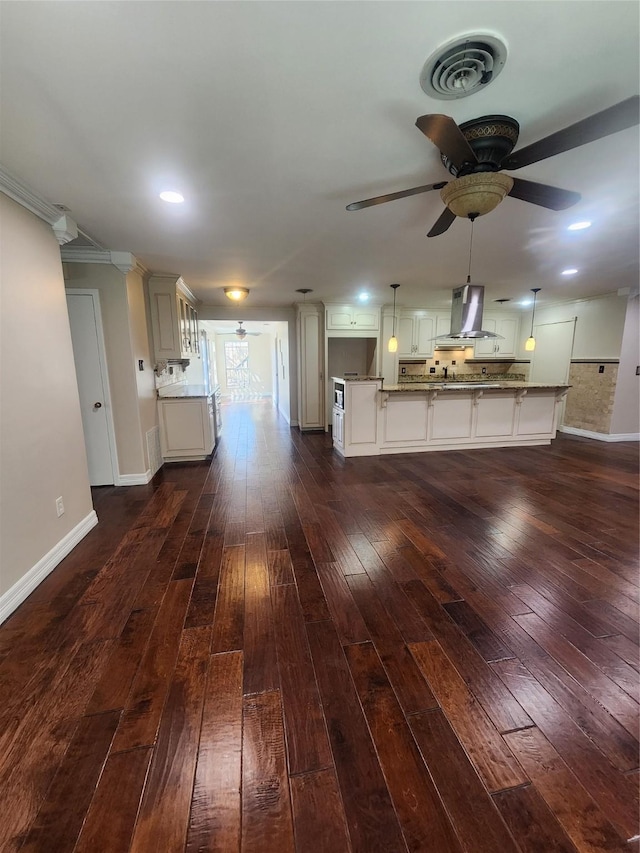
[466,316]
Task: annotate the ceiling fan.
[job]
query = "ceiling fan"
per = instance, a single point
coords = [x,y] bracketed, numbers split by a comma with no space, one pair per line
[242,333]
[477,151]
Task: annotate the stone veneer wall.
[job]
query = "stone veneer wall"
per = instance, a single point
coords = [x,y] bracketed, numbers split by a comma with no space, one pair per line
[590,399]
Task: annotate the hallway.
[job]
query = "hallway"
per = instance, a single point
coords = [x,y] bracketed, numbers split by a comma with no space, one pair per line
[278,651]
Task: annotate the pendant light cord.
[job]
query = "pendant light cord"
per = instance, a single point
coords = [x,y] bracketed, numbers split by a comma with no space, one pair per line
[394,311]
[470,247]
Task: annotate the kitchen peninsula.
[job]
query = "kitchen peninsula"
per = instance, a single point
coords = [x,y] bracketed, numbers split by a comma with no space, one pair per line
[372,420]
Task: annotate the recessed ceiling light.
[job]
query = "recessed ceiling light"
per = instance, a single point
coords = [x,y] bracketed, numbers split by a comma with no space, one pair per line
[526,302]
[571,271]
[579,226]
[363,297]
[172,197]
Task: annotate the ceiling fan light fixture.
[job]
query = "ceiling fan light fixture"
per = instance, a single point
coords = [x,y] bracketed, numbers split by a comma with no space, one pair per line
[478,193]
[236,294]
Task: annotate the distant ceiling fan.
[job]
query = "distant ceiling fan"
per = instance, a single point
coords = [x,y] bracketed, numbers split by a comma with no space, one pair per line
[242,333]
[477,151]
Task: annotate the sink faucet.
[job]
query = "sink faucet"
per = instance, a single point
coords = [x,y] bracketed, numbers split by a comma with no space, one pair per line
[444,370]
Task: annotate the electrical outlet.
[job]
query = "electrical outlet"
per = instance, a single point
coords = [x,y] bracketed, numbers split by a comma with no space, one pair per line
[140,364]
[59,507]
[601,368]
[484,369]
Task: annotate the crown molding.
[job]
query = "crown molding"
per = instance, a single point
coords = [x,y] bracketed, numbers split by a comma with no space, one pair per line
[124,261]
[24,195]
[63,226]
[65,229]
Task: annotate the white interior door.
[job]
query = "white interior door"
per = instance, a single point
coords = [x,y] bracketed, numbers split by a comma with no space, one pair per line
[93,387]
[552,356]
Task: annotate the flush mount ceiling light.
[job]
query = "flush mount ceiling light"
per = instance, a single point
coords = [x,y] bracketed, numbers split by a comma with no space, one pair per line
[363,297]
[571,271]
[172,197]
[393,341]
[530,343]
[236,294]
[476,194]
[579,226]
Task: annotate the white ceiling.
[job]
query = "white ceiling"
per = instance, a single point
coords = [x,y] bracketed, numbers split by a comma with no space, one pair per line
[270,117]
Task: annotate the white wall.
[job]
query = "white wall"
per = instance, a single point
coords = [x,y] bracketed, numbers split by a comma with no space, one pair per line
[625,419]
[599,325]
[42,452]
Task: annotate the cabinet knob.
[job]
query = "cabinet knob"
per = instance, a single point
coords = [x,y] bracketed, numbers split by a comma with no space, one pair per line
[97,405]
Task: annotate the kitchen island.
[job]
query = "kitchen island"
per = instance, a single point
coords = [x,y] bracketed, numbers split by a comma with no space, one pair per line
[372,420]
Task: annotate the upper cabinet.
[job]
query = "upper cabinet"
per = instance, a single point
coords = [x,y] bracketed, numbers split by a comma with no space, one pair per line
[352,318]
[443,327]
[498,348]
[174,318]
[415,333]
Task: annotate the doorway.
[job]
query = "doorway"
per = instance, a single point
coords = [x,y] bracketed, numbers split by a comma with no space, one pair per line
[89,355]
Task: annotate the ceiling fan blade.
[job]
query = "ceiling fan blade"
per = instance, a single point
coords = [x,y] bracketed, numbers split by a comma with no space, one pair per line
[381,199]
[543,195]
[619,117]
[443,223]
[447,136]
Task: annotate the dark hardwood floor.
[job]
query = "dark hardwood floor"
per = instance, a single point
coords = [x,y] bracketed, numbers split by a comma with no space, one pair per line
[278,650]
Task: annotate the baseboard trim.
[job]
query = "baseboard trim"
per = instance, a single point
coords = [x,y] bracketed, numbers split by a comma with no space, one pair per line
[601,436]
[14,597]
[134,479]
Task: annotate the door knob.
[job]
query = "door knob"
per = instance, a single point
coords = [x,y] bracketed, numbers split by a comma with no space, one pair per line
[97,405]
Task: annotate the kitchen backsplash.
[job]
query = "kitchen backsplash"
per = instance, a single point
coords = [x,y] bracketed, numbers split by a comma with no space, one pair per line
[465,375]
[170,374]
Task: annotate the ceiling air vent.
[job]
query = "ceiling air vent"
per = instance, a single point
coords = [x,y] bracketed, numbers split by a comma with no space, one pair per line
[463,66]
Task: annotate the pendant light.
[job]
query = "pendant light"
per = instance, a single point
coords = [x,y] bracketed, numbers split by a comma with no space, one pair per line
[393,341]
[530,343]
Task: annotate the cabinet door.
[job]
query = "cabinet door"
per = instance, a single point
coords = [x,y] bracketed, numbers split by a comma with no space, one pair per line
[508,328]
[366,318]
[423,336]
[339,317]
[487,348]
[404,333]
[182,428]
[165,325]
[310,381]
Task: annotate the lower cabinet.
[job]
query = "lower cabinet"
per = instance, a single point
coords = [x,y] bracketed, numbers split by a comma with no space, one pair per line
[187,428]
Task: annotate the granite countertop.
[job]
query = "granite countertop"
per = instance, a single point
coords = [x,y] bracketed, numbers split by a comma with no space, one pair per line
[177,392]
[412,387]
[357,378]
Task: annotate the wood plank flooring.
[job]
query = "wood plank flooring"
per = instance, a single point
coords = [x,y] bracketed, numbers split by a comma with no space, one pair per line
[277,651]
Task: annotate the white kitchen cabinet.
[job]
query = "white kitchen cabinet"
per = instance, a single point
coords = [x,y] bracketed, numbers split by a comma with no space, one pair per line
[174,319]
[310,369]
[415,333]
[502,347]
[443,327]
[187,428]
[355,416]
[353,318]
